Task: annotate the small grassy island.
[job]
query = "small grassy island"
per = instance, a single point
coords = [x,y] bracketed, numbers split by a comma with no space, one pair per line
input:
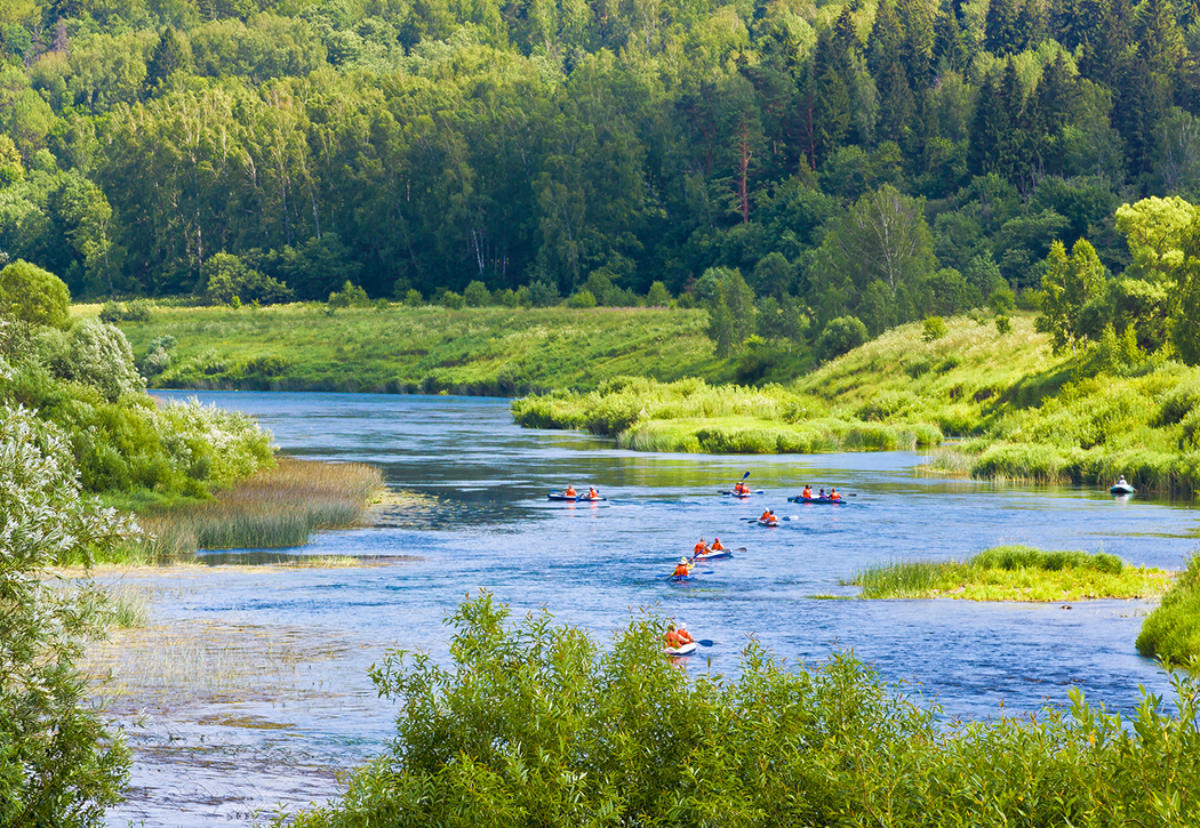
[1015,573]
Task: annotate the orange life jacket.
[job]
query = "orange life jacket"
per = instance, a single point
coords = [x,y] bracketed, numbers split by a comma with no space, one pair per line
[593,493]
[834,496]
[699,549]
[767,516]
[807,493]
[684,637]
[570,491]
[717,547]
[682,571]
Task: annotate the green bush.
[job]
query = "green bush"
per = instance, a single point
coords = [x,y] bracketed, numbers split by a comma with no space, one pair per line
[538,725]
[935,328]
[413,298]
[34,295]
[582,299]
[476,295]
[1003,325]
[840,336]
[453,301]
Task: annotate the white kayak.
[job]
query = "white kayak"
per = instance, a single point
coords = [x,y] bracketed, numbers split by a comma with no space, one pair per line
[686,649]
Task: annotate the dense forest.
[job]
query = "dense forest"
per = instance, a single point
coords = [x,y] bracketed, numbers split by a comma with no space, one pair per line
[888,160]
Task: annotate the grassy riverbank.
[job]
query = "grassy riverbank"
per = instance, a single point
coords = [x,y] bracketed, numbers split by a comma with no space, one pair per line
[1023,412]
[275,508]
[1172,631]
[1015,573]
[492,351]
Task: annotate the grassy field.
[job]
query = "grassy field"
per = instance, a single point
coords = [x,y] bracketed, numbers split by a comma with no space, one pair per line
[1015,573]
[1172,631]
[491,351]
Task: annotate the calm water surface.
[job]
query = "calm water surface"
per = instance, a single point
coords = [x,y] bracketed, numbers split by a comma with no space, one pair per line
[491,527]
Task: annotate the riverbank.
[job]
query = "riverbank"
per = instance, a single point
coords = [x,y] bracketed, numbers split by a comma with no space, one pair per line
[490,351]
[1016,410]
[1015,573]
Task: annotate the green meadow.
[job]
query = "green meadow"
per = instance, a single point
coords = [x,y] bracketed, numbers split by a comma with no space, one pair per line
[398,349]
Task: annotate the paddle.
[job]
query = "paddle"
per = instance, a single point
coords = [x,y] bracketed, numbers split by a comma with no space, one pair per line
[706,642]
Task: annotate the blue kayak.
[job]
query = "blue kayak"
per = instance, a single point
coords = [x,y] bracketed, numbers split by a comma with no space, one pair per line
[838,502]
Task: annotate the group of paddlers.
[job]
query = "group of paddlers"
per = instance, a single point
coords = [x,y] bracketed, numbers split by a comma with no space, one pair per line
[593,492]
[807,494]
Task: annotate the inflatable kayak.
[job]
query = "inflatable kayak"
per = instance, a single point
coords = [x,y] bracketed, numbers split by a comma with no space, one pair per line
[575,498]
[686,649]
[1121,488]
[768,523]
[712,556]
[742,495]
[838,502]
[681,578]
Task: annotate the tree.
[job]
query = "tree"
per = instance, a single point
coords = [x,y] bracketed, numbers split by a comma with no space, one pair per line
[225,277]
[731,311]
[1069,283]
[476,294]
[658,296]
[841,336]
[34,295]
[60,764]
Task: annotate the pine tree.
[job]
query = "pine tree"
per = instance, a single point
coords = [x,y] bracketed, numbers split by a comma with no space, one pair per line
[172,54]
[1001,33]
[1160,41]
[886,43]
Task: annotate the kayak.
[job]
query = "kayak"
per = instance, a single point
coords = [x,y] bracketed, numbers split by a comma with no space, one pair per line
[742,495]
[768,523]
[575,498]
[712,556]
[837,502]
[1121,488]
[681,578]
[686,649]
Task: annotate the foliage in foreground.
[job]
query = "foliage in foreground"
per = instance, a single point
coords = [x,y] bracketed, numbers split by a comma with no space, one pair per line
[59,763]
[1014,573]
[537,726]
[1172,631]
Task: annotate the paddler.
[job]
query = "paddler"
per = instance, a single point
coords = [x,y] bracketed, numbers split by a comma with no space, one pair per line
[807,493]
[701,548]
[682,569]
[716,547]
[592,493]
[766,516]
[740,488]
[833,495]
[678,636]
[570,492]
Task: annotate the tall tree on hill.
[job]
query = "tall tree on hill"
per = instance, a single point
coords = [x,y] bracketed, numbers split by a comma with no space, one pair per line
[1069,283]
[885,46]
[1001,33]
[1160,42]
[830,98]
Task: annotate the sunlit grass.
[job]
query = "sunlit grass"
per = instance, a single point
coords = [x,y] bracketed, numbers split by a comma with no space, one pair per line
[1172,631]
[275,508]
[1015,573]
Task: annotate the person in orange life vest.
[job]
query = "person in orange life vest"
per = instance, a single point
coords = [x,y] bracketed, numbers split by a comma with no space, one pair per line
[682,569]
[570,492]
[672,637]
[807,493]
[683,635]
[767,516]
[740,487]
[701,548]
[716,547]
[833,495]
[592,493]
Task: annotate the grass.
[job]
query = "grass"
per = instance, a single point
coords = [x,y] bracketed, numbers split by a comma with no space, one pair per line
[1015,573]
[1172,631]
[275,508]
[487,351]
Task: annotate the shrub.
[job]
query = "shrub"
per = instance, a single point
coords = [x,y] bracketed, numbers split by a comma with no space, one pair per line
[658,296]
[841,336]
[1002,300]
[1172,631]
[60,764]
[226,278]
[506,298]
[413,298]
[34,295]
[476,295]
[582,299]
[453,301]
[934,328]
[1003,325]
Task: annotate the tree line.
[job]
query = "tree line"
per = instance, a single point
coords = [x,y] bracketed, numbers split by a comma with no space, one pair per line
[881,161]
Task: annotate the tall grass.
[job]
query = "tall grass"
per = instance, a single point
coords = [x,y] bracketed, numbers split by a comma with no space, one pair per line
[274,508]
[1172,631]
[1014,573]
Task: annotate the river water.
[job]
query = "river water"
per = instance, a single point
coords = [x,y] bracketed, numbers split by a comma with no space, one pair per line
[488,525]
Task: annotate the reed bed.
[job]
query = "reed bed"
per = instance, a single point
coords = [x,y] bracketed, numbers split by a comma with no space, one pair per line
[1015,573]
[275,508]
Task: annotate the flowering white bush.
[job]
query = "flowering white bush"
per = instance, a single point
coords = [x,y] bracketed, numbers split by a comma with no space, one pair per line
[99,355]
[59,765]
[229,445]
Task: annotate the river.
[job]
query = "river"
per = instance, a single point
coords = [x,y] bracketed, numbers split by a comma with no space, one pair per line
[243,748]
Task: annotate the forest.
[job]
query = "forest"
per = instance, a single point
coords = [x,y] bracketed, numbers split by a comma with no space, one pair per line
[884,160]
